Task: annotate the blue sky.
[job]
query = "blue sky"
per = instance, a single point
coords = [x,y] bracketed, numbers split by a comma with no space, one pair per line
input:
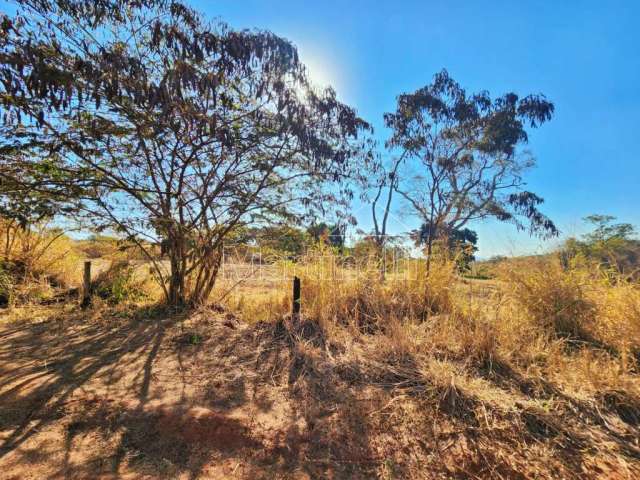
[584,55]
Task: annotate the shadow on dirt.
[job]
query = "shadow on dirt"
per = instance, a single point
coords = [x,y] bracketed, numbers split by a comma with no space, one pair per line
[43,364]
[158,399]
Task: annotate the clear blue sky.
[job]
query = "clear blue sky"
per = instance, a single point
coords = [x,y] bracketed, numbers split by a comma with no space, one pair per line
[584,55]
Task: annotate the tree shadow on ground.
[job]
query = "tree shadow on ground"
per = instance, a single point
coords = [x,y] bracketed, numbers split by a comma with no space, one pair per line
[332,416]
[98,381]
[42,365]
[158,441]
[561,425]
[329,432]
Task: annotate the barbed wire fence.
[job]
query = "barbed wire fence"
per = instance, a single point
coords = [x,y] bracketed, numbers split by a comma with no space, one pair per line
[340,259]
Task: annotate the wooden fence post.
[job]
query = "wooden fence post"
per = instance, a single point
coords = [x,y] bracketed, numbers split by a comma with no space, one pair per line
[86,285]
[295,307]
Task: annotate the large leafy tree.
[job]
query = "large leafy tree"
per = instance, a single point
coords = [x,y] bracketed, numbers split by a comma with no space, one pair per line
[463,157]
[175,129]
[334,235]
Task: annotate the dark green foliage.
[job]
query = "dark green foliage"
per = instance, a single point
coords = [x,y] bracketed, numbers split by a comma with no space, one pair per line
[463,243]
[277,240]
[333,235]
[606,231]
[6,286]
[459,243]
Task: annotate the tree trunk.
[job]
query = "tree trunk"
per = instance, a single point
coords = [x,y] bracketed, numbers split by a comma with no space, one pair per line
[429,251]
[382,258]
[177,278]
[202,271]
[207,275]
[177,297]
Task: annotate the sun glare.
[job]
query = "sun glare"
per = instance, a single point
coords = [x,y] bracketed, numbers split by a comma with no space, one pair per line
[322,70]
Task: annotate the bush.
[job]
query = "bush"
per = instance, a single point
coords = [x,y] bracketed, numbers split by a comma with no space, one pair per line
[6,287]
[119,283]
[610,246]
[115,249]
[99,246]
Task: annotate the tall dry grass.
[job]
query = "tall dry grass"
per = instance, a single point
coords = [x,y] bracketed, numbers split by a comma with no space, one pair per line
[542,349]
[39,251]
[35,260]
[577,327]
[343,292]
[334,293]
[581,303]
[555,299]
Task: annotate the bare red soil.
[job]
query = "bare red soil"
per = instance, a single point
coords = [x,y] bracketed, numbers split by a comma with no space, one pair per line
[214,398]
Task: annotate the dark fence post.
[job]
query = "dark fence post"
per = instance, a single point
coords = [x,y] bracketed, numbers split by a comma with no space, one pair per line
[86,285]
[295,307]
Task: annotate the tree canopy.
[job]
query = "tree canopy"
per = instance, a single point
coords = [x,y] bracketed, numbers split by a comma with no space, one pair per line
[462,157]
[170,127]
[144,118]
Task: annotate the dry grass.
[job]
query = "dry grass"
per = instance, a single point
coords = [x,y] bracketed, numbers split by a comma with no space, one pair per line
[553,298]
[123,282]
[40,253]
[334,293]
[545,343]
[536,316]
[532,375]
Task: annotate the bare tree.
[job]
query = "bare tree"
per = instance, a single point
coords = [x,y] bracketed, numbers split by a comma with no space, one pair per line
[388,180]
[383,181]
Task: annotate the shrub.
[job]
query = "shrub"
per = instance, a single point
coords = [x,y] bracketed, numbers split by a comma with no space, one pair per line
[119,283]
[36,291]
[6,287]
[609,245]
[99,246]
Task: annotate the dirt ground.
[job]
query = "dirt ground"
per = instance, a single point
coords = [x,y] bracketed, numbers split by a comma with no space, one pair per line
[210,397]
[149,400]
